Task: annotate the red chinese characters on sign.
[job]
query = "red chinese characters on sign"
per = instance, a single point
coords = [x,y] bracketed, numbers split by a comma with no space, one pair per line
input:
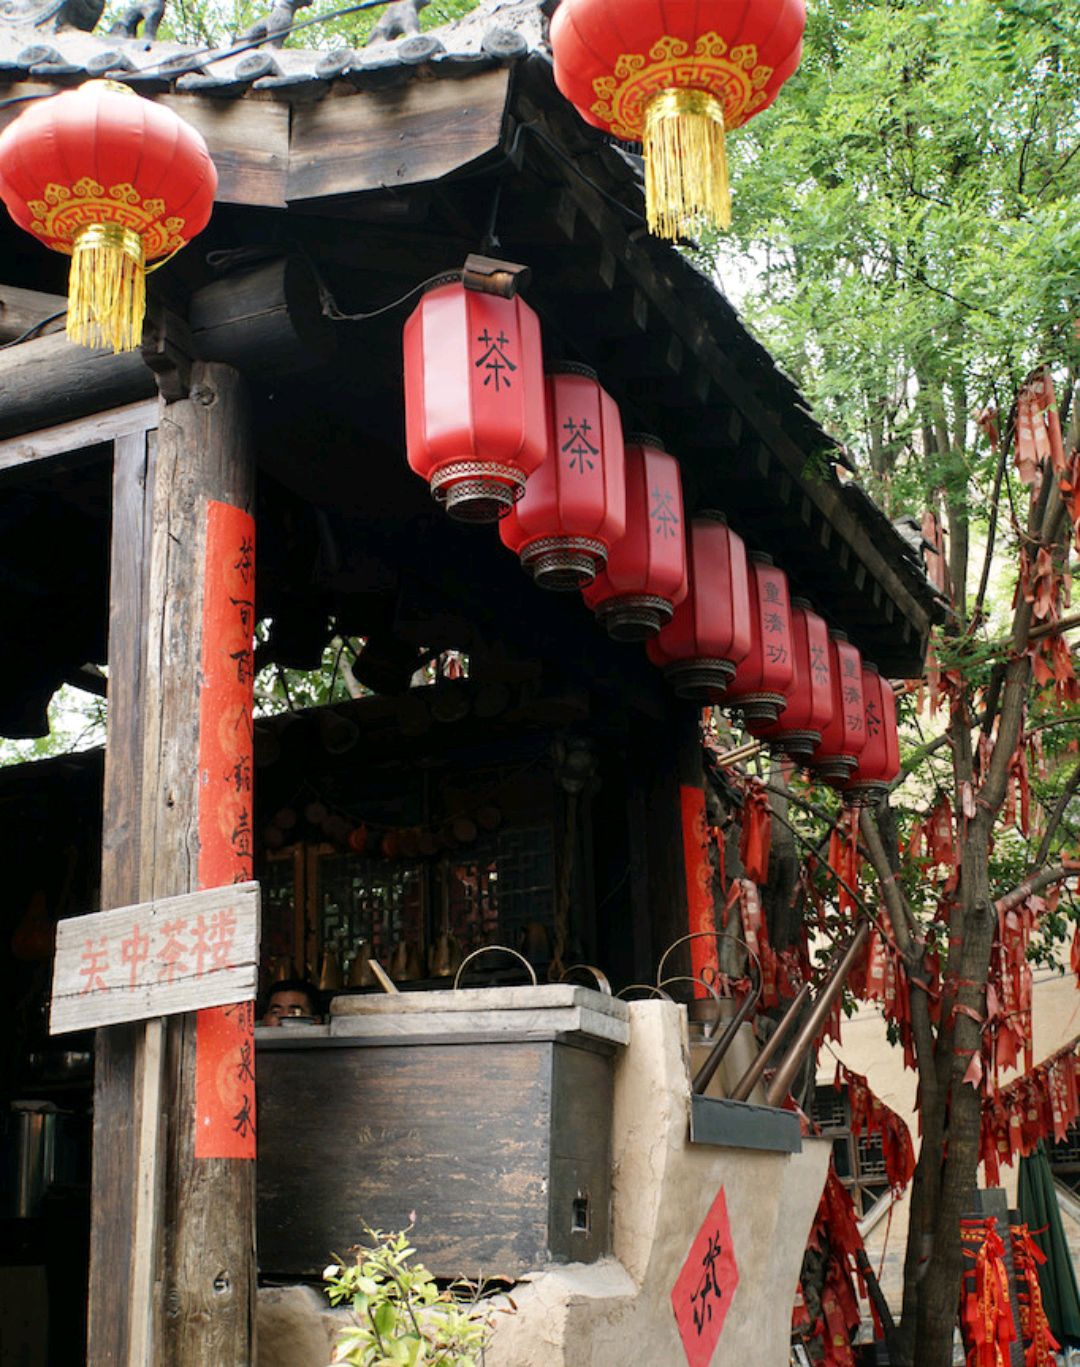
[225,1050]
[702,1294]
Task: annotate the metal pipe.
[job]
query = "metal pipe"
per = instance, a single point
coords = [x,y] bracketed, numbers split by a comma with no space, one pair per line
[753,1074]
[834,982]
[704,1074]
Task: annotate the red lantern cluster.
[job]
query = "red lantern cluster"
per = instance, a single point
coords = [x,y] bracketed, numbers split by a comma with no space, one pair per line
[475,411]
[844,738]
[763,679]
[645,577]
[879,760]
[574,506]
[710,632]
[810,700]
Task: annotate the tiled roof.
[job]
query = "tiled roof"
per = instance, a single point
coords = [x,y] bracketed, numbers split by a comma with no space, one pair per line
[496,31]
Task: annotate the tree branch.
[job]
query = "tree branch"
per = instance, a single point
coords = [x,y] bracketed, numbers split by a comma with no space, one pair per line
[1054,820]
[1030,886]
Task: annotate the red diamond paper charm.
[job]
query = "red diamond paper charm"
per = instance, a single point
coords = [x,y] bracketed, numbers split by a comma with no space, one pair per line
[706,1284]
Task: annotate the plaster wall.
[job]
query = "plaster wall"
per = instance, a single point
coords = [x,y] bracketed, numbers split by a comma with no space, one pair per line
[619,1309]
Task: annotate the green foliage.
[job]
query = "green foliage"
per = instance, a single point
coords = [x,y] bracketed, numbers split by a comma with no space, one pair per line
[216,23]
[402,1317]
[908,209]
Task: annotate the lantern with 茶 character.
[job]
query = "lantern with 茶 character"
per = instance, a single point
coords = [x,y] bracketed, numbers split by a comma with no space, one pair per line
[879,761]
[700,648]
[763,679]
[809,700]
[844,738]
[645,577]
[674,75]
[475,412]
[574,506]
[114,181]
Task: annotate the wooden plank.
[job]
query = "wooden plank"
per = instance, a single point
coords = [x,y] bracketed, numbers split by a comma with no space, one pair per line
[372,140]
[114,425]
[561,1022]
[156,958]
[742,1125]
[490,999]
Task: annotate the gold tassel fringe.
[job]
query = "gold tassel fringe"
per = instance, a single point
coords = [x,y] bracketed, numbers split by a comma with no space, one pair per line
[107,288]
[686,172]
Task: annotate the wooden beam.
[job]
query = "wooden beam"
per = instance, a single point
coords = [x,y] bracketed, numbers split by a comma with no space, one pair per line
[52,443]
[21,310]
[172,1257]
[266,322]
[389,139]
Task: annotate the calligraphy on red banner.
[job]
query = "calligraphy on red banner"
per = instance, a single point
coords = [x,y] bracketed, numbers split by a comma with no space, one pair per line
[225,1050]
[702,1294]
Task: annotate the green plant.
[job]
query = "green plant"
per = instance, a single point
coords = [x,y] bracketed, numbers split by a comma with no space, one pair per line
[402,1317]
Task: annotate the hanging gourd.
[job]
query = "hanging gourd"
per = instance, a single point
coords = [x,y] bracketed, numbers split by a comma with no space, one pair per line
[709,633]
[809,700]
[645,577]
[574,506]
[763,679]
[674,75]
[114,181]
[879,762]
[475,412]
[844,738]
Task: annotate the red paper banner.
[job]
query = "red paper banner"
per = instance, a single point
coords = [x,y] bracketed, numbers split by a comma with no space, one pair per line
[699,898]
[225,1040]
[702,1295]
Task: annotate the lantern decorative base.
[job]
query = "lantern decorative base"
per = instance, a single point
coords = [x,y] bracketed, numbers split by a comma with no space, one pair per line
[701,680]
[836,770]
[797,745]
[564,563]
[477,491]
[759,709]
[864,794]
[634,617]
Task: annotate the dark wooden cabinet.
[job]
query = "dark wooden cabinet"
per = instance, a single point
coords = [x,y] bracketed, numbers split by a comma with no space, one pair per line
[491,1122]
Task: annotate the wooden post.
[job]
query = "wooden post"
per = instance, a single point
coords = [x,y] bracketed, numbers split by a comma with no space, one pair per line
[172,1245]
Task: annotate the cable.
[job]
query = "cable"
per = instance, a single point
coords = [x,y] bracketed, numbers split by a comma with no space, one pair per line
[32,331]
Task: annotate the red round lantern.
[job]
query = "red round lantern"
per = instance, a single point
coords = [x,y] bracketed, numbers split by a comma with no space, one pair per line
[709,634]
[475,414]
[879,762]
[763,680]
[844,738]
[673,75]
[113,181]
[645,577]
[574,506]
[810,699]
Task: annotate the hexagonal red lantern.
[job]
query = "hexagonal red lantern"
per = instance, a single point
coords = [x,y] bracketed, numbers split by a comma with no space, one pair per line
[810,699]
[574,506]
[764,678]
[645,577]
[844,738]
[475,411]
[700,648]
[879,762]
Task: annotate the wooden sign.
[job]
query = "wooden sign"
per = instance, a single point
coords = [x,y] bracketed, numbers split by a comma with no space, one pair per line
[156,958]
[702,1294]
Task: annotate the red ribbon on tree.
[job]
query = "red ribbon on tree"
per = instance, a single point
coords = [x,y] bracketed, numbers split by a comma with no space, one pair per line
[986,1317]
[756,838]
[1039,1343]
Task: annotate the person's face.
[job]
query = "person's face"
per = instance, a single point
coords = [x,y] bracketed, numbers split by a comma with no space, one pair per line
[286,1004]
